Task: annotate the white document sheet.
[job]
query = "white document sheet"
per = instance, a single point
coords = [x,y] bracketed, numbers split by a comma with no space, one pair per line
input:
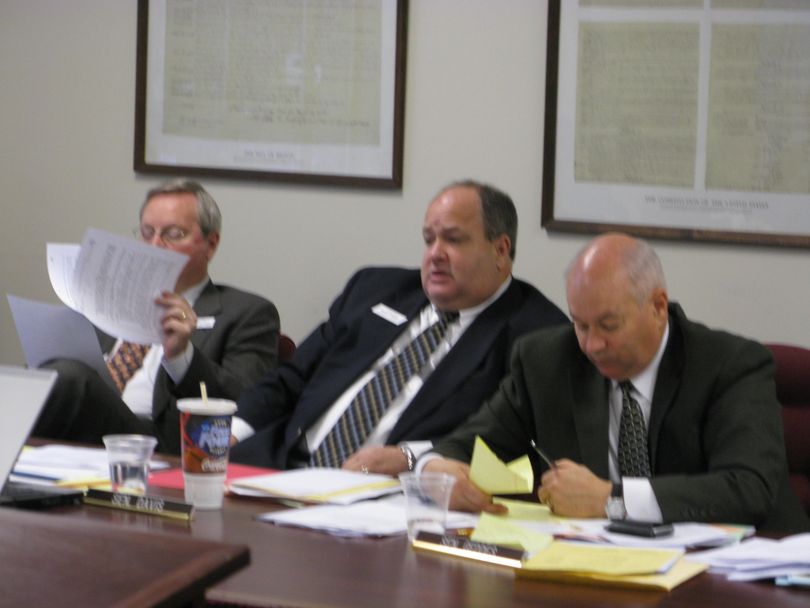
[51,331]
[382,517]
[114,283]
[61,264]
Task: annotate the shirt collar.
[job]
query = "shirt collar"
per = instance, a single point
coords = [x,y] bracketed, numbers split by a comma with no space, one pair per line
[470,313]
[644,383]
[192,293]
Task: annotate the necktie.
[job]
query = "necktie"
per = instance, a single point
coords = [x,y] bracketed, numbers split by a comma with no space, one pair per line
[634,457]
[125,362]
[371,402]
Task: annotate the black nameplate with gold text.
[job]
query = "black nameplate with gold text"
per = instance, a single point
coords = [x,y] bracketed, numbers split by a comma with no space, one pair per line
[144,503]
[463,546]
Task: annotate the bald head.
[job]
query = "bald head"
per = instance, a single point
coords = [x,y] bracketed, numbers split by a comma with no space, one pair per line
[617,299]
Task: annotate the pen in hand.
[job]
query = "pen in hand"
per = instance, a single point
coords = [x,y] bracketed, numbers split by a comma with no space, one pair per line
[542,454]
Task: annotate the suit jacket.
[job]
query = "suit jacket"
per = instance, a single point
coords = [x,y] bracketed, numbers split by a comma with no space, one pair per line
[231,355]
[289,400]
[715,436]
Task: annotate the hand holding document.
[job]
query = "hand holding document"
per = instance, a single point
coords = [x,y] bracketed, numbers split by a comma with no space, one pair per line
[489,472]
[113,281]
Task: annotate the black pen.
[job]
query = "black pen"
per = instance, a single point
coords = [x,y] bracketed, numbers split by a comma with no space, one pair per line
[542,454]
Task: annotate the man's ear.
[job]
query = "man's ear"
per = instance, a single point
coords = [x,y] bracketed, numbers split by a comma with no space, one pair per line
[503,245]
[213,243]
[660,302]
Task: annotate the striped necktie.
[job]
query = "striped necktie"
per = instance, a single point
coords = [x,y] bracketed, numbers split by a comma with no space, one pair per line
[371,402]
[127,360]
[634,456]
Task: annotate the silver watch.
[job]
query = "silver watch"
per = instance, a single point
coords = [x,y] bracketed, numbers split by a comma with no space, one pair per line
[614,507]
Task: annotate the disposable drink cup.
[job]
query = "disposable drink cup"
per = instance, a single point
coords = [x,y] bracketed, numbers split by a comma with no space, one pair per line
[128,456]
[427,496]
[205,436]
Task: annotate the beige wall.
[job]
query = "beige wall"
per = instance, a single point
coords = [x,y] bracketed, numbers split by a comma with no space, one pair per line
[475,82]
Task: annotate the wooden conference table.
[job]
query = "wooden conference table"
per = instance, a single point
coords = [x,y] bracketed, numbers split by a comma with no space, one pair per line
[47,561]
[305,569]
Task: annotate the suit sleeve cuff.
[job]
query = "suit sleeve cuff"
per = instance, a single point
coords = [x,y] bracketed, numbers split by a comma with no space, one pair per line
[177,366]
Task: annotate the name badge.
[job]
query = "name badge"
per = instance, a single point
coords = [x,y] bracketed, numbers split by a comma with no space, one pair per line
[205,322]
[389,314]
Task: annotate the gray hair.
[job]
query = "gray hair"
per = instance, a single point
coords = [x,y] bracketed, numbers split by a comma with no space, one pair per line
[208,215]
[644,270]
[497,209]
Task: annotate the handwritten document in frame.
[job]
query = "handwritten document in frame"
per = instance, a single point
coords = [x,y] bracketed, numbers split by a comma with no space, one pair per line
[305,90]
[685,119]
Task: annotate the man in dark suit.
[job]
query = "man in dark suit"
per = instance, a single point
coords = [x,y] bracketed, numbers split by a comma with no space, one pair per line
[710,444]
[469,232]
[215,334]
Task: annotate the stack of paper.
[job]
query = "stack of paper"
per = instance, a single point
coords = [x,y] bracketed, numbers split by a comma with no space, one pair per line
[382,517]
[317,485]
[66,466]
[611,566]
[761,558]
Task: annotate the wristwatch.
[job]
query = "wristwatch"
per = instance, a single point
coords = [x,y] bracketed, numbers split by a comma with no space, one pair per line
[410,458]
[614,507]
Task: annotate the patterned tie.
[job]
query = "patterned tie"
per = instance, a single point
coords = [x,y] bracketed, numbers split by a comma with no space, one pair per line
[634,458]
[365,411]
[125,362]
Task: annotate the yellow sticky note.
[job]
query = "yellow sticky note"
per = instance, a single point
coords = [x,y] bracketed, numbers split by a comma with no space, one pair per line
[498,530]
[525,510]
[596,559]
[489,472]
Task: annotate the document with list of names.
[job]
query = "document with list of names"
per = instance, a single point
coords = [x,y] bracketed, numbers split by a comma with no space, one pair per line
[113,281]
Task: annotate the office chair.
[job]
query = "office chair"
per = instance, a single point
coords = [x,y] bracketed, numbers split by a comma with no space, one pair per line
[793,392]
[286,348]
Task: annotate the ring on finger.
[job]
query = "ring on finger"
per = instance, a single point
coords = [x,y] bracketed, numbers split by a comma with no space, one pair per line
[364,469]
[183,315]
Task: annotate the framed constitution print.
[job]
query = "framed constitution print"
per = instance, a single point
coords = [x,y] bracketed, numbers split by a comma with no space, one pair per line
[685,119]
[309,91]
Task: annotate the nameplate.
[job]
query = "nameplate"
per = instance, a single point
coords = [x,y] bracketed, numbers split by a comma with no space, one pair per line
[145,503]
[463,546]
[389,314]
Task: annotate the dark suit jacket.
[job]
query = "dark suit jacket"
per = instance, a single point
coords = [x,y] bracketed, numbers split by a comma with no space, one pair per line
[716,443]
[230,356]
[288,401]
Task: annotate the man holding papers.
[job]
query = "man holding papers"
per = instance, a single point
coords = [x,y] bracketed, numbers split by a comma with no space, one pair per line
[211,333]
[644,413]
[404,356]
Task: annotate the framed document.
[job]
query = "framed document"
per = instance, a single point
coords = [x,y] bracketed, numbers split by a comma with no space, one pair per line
[308,91]
[686,119]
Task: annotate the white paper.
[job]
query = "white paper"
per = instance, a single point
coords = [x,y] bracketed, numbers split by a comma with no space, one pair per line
[760,558]
[61,265]
[383,517]
[115,282]
[334,486]
[50,331]
[367,518]
[59,463]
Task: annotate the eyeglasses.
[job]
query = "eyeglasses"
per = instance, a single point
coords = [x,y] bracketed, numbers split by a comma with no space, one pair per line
[169,235]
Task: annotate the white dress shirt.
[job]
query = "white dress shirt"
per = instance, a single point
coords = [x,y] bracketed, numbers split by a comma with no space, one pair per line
[378,437]
[140,388]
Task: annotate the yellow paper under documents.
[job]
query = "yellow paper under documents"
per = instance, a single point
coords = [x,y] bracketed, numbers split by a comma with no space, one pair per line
[681,571]
[526,511]
[498,530]
[599,559]
[489,472]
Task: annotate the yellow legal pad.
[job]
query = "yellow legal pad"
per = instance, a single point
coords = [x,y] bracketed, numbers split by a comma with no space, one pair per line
[489,472]
[610,566]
